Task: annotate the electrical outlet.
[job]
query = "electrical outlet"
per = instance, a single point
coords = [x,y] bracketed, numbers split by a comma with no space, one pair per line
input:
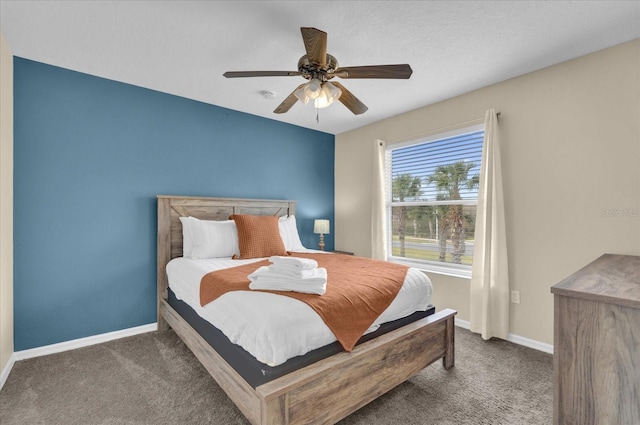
[515,297]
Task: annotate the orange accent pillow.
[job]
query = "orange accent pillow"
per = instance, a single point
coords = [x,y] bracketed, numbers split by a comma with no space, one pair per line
[258,236]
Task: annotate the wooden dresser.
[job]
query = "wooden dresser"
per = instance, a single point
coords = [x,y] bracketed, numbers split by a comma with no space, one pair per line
[596,360]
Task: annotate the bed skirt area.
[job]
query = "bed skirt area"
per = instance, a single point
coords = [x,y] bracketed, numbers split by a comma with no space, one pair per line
[257,373]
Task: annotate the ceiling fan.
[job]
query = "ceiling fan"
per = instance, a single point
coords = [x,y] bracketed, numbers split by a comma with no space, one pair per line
[319,67]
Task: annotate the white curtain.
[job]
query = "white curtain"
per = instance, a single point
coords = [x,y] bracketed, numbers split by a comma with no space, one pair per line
[378,203]
[489,297]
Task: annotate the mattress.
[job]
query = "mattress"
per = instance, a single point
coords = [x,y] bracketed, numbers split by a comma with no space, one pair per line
[256,373]
[271,327]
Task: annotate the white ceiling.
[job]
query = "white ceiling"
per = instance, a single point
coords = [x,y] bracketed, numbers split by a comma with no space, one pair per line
[184,47]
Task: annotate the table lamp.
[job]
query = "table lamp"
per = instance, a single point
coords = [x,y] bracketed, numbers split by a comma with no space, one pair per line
[321,227]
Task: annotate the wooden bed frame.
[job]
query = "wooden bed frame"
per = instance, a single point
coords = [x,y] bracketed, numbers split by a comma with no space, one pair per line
[323,392]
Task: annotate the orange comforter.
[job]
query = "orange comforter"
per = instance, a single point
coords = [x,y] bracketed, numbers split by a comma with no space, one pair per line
[358,291]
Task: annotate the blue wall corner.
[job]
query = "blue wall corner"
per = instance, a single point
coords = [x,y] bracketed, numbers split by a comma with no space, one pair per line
[90,156]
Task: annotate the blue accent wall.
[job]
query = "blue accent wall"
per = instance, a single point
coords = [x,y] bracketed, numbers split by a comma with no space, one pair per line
[91,155]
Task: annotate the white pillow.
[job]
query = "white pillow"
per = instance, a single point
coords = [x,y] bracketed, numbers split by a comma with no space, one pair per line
[289,233]
[211,239]
[187,243]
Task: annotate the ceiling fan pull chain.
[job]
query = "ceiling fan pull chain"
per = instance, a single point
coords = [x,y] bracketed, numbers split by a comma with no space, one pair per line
[318,115]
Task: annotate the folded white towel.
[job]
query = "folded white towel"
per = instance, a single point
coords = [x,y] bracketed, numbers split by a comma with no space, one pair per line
[313,277]
[277,285]
[294,263]
[295,273]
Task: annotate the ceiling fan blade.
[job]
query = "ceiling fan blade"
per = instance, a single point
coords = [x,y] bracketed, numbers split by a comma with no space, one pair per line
[288,102]
[236,74]
[315,43]
[402,71]
[350,101]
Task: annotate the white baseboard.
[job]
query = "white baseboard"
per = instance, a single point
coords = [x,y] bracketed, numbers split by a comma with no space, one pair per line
[516,339]
[5,372]
[71,345]
[83,342]
[462,323]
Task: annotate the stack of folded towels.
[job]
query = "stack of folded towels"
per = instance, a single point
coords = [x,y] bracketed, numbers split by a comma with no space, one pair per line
[290,274]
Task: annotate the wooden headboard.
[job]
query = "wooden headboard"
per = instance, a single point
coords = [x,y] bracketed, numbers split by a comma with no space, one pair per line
[171,208]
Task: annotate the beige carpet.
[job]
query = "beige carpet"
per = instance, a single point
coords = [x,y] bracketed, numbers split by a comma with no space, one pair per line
[154,379]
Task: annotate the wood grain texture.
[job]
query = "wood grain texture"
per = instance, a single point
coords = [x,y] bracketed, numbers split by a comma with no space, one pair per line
[350,101]
[597,346]
[163,256]
[288,102]
[611,279]
[206,208]
[330,390]
[241,74]
[321,393]
[400,71]
[448,361]
[315,43]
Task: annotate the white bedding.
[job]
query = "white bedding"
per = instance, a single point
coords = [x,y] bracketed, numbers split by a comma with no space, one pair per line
[275,328]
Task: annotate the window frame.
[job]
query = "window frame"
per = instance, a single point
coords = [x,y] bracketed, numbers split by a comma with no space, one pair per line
[447,269]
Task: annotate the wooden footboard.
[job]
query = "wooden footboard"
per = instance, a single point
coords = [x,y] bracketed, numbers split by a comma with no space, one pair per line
[321,393]
[330,390]
[333,388]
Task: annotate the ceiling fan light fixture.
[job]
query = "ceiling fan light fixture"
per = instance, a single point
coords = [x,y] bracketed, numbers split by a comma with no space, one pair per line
[300,94]
[328,95]
[332,91]
[313,88]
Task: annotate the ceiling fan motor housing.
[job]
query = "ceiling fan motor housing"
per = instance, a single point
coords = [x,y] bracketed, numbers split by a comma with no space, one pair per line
[311,70]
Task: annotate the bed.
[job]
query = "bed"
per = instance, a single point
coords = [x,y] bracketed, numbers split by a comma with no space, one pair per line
[321,392]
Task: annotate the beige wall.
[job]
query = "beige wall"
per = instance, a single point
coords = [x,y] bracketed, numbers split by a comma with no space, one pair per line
[571,156]
[6,203]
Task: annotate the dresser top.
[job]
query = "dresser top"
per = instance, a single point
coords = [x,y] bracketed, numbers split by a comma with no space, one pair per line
[613,279]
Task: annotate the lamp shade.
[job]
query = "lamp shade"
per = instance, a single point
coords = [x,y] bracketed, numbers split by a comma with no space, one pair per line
[313,89]
[321,226]
[328,95]
[323,94]
[299,93]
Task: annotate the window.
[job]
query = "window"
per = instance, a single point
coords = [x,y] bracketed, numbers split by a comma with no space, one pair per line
[431,204]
